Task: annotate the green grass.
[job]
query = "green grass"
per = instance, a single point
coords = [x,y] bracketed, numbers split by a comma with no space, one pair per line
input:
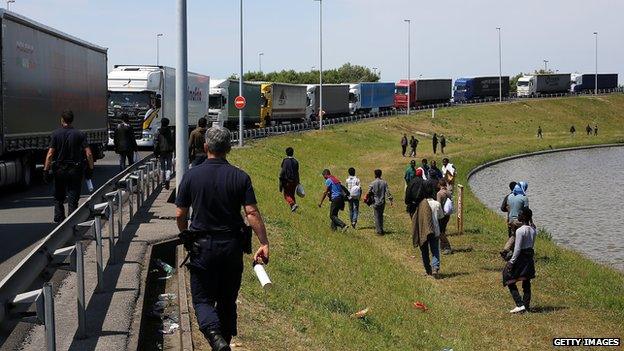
[321,277]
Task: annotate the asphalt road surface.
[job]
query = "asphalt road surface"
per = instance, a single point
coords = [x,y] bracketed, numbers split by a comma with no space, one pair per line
[26,216]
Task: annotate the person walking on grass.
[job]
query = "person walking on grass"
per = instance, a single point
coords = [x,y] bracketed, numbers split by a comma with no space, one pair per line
[434,172]
[424,168]
[572,130]
[505,206]
[442,143]
[595,130]
[539,132]
[333,190]
[413,145]
[289,178]
[410,172]
[588,129]
[380,190]
[436,214]
[448,173]
[355,193]
[442,196]
[434,142]
[403,144]
[521,266]
[423,232]
[516,204]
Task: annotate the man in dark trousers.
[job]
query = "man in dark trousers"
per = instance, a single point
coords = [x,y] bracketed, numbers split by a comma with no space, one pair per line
[403,144]
[124,141]
[333,190]
[65,161]
[595,130]
[588,129]
[434,141]
[217,191]
[413,145]
[164,145]
[289,178]
[197,155]
[442,143]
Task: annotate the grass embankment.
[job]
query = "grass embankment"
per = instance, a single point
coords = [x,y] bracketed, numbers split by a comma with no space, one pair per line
[321,277]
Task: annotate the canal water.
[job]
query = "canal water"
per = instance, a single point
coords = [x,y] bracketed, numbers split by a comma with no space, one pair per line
[577,196]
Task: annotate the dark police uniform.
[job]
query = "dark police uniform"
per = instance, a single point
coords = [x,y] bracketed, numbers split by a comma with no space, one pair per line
[216,191]
[68,168]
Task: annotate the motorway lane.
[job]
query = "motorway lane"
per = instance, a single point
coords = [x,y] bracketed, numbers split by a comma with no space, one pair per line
[27,216]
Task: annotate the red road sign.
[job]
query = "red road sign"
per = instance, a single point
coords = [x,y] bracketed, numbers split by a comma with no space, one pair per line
[240,102]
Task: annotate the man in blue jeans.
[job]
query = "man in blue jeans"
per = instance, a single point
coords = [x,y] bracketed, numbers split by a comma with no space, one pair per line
[333,190]
[355,192]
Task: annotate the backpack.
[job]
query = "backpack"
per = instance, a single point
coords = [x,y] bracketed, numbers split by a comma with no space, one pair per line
[369,198]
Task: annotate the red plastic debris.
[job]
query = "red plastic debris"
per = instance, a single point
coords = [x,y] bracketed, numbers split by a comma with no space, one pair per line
[420,306]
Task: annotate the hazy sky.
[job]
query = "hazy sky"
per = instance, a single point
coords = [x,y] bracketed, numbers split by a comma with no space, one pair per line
[450,38]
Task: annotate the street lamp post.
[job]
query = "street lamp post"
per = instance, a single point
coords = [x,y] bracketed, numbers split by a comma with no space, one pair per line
[158,36]
[545,66]
[240,79]
[500,67]
[320,112]
[181,90]
[409,44]
[596,75]
[260,60]
[9,2]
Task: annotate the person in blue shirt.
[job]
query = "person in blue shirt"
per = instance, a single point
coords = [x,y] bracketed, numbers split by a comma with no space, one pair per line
[333,190]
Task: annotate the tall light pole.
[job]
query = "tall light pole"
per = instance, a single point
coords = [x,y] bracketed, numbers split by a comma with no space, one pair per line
[545,66]
[320,112]
[500,67]
[596,75]
[9,2]
[181,91]
[158,36]
[260,60]
[240,80]
[409,65]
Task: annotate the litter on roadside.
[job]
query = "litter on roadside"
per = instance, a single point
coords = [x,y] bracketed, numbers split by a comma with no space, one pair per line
[169,328]
[167,297]
[420,306]
[168,269]
[360,314]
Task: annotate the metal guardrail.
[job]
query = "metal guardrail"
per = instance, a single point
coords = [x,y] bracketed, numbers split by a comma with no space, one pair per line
[265,132]
[63,249]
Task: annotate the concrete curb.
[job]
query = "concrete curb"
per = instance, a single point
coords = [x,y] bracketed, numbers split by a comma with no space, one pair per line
[137,319]
[535,153]
[186,339]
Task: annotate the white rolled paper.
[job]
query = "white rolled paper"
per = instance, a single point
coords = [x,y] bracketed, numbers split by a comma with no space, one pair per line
[89,185]
[263,277]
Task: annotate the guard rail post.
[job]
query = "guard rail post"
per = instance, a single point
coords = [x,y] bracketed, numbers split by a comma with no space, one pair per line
[44,311]
[98,253]
[50,328]
[110,199]
[120,206]
[130,190]
[80,287]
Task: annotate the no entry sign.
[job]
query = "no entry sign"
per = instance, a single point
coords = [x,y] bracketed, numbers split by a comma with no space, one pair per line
[240,102]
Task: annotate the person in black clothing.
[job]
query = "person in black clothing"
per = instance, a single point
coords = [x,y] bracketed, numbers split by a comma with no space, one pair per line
[289,178]
[434,172]
[588,129]
[595,130]
[65,162]
[414,194]
[539,132]
[403,144]
[572,130]
[505,209]
[442,143]
[217,191]
[434,141]
[413,145]
[163,149]
[124,141]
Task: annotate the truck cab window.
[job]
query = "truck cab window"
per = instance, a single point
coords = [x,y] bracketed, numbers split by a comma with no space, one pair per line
[352,98]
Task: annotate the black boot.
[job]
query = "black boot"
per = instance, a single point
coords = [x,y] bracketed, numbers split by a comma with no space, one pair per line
[216,341]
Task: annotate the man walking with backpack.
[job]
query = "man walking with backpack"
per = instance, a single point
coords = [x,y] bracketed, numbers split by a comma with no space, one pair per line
[336,193]
[289,178]
[163,149]
[379,188]
[197,155]
[124,141]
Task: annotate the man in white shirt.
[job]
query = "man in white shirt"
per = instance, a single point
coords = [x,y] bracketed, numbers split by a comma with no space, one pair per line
[355,192]
[448,172]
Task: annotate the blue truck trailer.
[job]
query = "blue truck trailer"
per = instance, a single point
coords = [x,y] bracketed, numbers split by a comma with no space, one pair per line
[371,97]
[587,82]
[467,89]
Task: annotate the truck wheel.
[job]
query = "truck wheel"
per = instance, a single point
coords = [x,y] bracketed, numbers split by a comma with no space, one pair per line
[27,173]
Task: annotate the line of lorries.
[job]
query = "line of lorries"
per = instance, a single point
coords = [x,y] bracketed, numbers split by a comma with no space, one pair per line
[45,71]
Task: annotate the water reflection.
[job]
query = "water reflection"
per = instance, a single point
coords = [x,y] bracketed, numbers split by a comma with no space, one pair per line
[576,195]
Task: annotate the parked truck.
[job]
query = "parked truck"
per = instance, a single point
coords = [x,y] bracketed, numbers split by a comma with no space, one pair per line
[221,103]
[538,84]
[467,89]
[422,92]
[147,95]
[371,97]
[587,82]
[335,100]
[44,72]
[283,102]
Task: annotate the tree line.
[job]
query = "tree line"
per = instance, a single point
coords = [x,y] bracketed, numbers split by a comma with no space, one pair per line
[347,73]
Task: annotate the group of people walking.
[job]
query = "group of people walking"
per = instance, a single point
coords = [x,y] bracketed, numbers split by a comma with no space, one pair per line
[412,142]
[518,251]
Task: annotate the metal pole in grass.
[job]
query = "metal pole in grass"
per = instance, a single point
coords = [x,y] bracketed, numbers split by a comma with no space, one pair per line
[460,209]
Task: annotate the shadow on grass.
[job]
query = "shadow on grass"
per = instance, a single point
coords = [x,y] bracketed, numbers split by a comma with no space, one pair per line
[547,309]
[492,269]
[450,275]
[463,249]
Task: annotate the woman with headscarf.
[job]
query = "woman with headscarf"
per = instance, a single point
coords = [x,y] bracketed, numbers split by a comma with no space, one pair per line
[515,204]
[521,266]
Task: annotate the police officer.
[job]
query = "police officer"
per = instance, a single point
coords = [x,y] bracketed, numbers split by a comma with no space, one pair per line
[66,163]
[217,190]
